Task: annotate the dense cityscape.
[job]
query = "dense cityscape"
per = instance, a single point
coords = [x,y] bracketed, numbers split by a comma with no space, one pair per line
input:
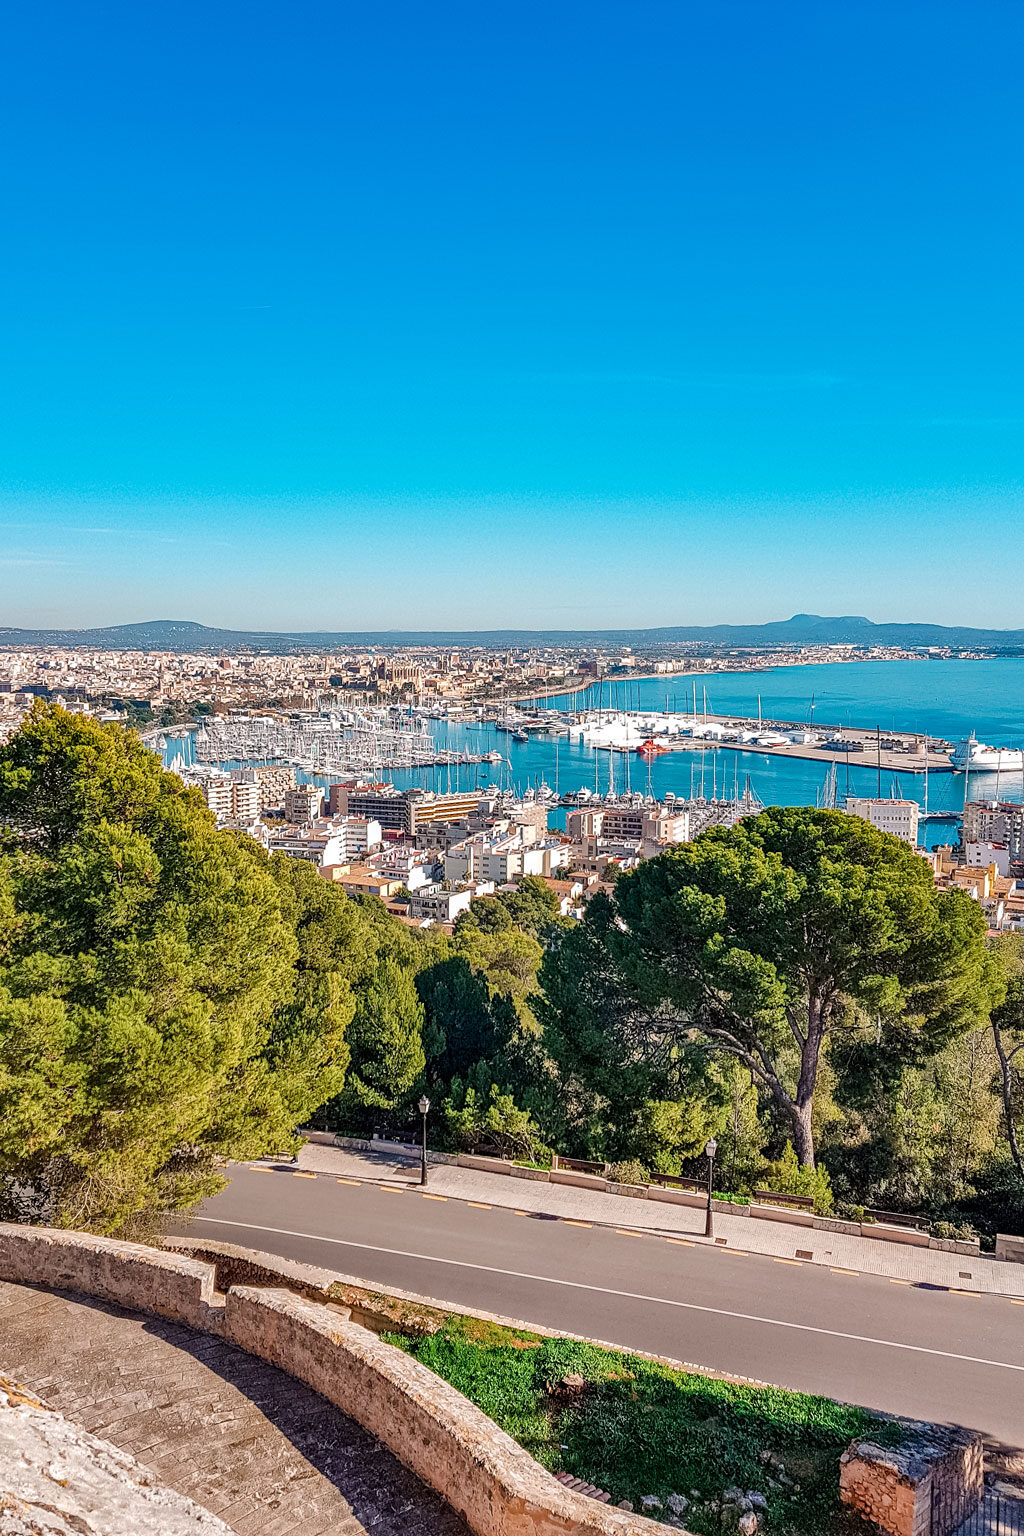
[512,770]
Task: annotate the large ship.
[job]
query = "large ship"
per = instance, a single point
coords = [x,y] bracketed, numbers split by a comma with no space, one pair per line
[971,755]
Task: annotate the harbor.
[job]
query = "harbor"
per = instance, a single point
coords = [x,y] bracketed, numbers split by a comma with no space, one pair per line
[574,749]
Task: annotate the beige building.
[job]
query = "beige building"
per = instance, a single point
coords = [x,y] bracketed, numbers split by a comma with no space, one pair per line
[272,780]
[897,817]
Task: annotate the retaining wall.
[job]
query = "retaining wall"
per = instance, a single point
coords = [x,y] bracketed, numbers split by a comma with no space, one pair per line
[490,1480]
[448,1442]
[1010,1248]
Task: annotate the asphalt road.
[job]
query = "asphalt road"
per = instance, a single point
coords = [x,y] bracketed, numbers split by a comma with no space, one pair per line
[947,1356]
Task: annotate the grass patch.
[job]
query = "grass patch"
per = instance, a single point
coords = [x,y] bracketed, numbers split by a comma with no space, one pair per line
[634,1427]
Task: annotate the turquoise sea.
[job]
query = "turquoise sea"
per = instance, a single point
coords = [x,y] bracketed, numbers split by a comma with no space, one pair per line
[941,698]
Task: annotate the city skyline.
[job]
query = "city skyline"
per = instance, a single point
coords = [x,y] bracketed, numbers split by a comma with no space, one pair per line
[590,322]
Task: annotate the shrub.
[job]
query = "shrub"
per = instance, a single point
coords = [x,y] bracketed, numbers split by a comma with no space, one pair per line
[960,1232]
[789,1177]
[629,1172]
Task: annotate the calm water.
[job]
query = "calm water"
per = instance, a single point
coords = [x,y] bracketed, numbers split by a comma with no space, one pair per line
[941,698]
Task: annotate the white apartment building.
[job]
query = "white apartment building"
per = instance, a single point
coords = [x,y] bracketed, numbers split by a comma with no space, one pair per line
[434,904]
[303,803]
[987,855]
[226,797]
[897,817]
[245,796]
[339,840]
[502,859]
[413,868]
[997,822]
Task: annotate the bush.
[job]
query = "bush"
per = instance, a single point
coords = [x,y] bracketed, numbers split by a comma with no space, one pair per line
[847,1212]
[495,1126]
[789,1177]
[629,1172]
[960,1232]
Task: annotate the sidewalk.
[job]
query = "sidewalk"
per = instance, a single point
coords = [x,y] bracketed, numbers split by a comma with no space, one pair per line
[393,1164]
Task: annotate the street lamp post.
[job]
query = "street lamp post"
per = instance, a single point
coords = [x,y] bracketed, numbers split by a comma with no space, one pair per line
[424,1107]
[710,1148]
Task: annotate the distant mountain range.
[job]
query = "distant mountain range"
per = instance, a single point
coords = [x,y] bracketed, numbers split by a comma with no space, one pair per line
[801,629]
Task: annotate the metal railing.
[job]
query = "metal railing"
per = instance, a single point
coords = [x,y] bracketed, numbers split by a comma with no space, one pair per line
[993,1515]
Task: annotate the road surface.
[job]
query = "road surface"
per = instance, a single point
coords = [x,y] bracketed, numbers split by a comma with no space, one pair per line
[909,1349]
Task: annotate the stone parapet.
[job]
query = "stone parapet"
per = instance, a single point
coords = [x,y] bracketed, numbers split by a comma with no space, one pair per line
[925,1486]
[149,1279]
[380,1311]
[480,1471]
[439,1434]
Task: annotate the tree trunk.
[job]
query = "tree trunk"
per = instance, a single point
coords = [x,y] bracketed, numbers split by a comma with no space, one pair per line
[803,1135]
[1006,1073]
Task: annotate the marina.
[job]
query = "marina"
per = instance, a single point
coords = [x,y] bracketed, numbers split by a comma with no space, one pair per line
[533,748]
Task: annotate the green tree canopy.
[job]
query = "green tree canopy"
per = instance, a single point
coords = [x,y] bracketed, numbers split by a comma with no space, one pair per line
[762,939]
[386,1042]
[150,1019]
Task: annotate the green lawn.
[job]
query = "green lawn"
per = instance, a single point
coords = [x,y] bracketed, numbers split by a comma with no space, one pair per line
[635,1427]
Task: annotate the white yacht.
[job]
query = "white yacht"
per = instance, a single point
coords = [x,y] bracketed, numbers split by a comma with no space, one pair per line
[971,755]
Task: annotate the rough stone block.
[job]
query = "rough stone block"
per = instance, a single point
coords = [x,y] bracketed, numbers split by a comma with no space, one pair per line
[894,1486]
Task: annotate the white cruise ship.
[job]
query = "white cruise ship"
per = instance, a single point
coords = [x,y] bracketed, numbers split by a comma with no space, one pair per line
[972,755]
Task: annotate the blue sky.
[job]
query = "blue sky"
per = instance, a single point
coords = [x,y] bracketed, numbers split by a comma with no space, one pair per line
[448,315]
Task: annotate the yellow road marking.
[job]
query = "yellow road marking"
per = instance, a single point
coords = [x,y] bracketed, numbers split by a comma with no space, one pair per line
[389,1189]
[435,1197]
[621,1231]
[681,1242]
[1016,1303]
[893,1281]
[520,1213]
[296,1175]
[975,1294]
[259,1168]
[797,1263]
[567,1223]
[741,1253]
[354,1182]
[854,1272]
[478,1205]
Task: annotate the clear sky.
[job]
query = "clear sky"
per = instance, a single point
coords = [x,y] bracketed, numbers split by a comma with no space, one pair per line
[538,314]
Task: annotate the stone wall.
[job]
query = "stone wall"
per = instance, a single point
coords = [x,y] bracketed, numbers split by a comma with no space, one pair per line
[131,1274]
[448,1442]
[490,1480]
[1010,1248]
[379,1311]
[57,1480]
[896,1487]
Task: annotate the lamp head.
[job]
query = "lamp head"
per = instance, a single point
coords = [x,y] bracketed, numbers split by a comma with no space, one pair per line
[711,1146]
[424,1104]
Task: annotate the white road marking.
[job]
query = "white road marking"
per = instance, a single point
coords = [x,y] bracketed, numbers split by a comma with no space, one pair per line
[604,1290]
